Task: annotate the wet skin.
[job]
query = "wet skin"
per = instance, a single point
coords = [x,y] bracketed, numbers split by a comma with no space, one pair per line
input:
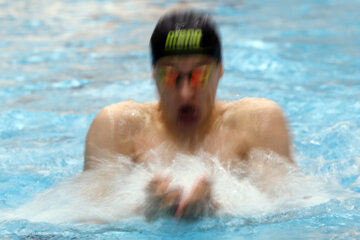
[186,120]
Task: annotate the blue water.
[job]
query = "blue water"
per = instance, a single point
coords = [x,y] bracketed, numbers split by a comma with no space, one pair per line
[61,61]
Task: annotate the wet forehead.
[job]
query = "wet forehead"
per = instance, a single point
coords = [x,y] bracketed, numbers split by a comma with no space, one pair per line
[185,63]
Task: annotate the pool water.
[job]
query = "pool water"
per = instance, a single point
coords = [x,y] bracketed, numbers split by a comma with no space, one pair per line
[62,61]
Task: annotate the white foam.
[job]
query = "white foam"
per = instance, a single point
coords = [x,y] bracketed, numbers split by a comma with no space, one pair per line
[115,191]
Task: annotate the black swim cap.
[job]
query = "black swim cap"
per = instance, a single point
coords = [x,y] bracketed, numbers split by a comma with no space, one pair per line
[185,32]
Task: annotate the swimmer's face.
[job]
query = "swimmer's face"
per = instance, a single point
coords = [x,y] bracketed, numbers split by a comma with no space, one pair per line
[187,88]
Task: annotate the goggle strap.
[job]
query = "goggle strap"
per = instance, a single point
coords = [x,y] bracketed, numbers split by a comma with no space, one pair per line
[207,74]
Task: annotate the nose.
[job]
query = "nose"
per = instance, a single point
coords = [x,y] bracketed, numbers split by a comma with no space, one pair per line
[185,91]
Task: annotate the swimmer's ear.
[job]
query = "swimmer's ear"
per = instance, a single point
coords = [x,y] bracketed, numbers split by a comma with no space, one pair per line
[153,73]
[221,70]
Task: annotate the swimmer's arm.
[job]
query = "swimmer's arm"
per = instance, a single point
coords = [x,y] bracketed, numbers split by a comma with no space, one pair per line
[273,133]
[106,138]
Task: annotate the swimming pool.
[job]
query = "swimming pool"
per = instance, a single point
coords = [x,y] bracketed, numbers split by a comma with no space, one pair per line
[61,62]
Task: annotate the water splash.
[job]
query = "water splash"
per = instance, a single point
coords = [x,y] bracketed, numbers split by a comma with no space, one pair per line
[266,185]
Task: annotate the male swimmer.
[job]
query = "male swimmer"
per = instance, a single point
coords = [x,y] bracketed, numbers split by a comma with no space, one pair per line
[187,67]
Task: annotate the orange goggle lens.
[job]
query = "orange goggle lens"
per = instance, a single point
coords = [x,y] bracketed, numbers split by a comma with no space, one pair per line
[170,77]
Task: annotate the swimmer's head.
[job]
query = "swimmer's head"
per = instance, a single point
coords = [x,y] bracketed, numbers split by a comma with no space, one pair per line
[187,67]
[185,32]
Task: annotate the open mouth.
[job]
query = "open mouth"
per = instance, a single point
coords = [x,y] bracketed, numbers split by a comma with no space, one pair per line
[188,114]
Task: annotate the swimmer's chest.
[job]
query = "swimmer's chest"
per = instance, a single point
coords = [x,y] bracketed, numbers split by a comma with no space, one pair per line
[226,144]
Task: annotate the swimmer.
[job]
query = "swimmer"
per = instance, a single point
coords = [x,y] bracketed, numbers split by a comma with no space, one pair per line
[187,67]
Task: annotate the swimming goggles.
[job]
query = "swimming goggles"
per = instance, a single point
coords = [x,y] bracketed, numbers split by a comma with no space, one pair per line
[169,76]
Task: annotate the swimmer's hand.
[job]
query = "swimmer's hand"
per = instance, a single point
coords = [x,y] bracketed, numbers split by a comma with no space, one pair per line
[161,200]
[199,203]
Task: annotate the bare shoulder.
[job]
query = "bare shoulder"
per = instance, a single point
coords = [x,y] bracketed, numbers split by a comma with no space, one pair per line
[120,116]
[113,126]
[252,110]
[264,120]
[256,105]
[128,113]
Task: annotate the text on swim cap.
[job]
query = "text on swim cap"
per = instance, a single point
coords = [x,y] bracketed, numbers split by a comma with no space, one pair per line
[183,39]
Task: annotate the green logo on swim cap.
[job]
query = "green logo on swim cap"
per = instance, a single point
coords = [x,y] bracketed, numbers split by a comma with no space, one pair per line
[185,39]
